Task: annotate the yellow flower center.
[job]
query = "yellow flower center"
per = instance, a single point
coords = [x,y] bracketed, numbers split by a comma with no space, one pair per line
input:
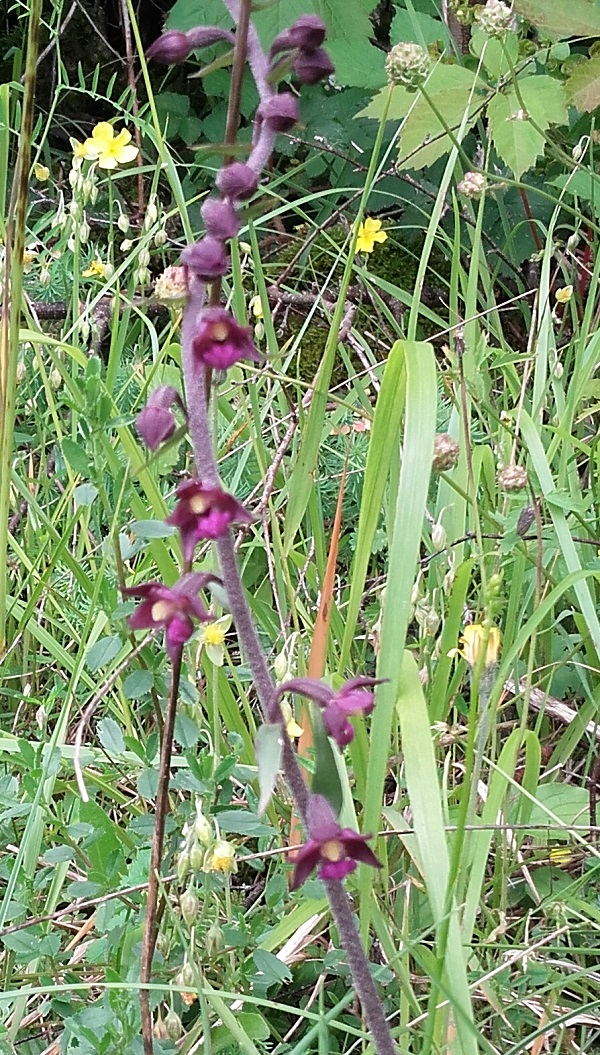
[198,504]
[333,850]
[161,610]
[219,331]
[213,634]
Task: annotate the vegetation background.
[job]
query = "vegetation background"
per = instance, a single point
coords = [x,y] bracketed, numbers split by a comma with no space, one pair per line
[470,309]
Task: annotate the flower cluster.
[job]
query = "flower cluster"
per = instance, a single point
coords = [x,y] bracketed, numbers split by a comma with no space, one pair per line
[202,848]
[496,18]
[408,65]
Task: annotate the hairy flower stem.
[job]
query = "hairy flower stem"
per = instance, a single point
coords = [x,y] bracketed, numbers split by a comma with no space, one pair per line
[160,815]
[196,401]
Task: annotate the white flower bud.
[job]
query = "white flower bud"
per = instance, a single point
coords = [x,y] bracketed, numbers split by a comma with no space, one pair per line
[144,257]
[108,270]
[45,278]
[123,222]
[56,378]
[160,238]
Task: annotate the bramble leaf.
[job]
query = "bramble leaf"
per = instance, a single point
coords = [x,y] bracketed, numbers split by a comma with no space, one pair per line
[515,138]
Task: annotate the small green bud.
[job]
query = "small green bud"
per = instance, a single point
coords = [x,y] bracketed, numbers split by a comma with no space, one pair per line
[213,940]
[183,865]
[196,857]
[160,239]
[190,907]
[123,222]
[144,257]
[173,1026]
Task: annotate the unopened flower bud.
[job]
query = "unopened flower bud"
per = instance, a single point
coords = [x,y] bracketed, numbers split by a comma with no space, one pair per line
[206,258]
[75,210]
[183,865]
[408,64]
[142,276]
[445,452]
[173,1026]
[280,112]
[74,177]
[237,181]
[202,829]
[512,478]
[311,67]
[123,222]
[196,858]
[93,194]
[21,371]
[144,257]
[187,974]
[45,278]
[213,940]
[472,184]
[160,238]
[438,536]
[496,18]
[108,270]
[190,906]
[159,1030]
[56,378]
[87,189]
[84,231]
[126,245]
[151,212]
[220,219]
[171,47]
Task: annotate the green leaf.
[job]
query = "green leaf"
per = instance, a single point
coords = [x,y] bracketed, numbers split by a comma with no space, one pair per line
[267,746]
[418,27]
[137,684]
[567,802]
[559,19]
[242,822]
[583,86]
[186,732]
[326,780]
[85,494]
[496,53]
[271,967]
[75,456]
[102,652]
[110,736]
[518,143]
[151,529]
[423,138]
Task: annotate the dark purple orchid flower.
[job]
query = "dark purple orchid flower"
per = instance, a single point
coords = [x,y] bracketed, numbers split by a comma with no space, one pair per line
[220,341]
[352,698]
[311,67]
[204,513]
[175,46]
[307,32]
[333,849]
[156,422]
[171,607]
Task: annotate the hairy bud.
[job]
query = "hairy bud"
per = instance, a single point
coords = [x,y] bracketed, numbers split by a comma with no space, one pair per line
[237,181]
[220,219]
[280,112]
[171,47]
[512,478]
[311,67]
[206,258]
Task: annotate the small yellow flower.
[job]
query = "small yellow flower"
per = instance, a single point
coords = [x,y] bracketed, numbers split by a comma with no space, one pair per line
[472,641]
[212,636]
[256,307]
[291,725]
[41,172]
[96,269]
[78,149]
[221,858]
[563,295]
[108,149]
[369,232]
[29,256]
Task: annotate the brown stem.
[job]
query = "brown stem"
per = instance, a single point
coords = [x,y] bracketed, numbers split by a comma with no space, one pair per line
[160,814]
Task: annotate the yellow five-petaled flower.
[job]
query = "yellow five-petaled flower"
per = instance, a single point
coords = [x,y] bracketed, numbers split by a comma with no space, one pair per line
[108,149]
[369,233]
[472,641]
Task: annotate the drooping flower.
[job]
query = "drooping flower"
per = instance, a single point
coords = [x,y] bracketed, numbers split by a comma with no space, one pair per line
[291,725]
[472,643]
[311,67]
[369,233]
[108,149]
[256,307]
[204,513]
[156,422]
[175,46]
[237,181]
[220,218]
[564,294]
[334,850]
[352,698]
[170,287]
[41,172]
[280,112]
[221,858]
[307,32]
[212,636]
[171,607]
[220,341]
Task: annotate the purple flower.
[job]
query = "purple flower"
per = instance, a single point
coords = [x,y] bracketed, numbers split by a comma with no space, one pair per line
[352,698]
[204,513]
[220,341]
[280,112]
[171,607]
[335,850]
[311,67]
[237,181]
[220,219]
[174,46]
[206,258]
[156,422]
[307,32]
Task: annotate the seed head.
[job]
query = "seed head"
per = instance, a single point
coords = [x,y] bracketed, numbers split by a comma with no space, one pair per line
[408,64]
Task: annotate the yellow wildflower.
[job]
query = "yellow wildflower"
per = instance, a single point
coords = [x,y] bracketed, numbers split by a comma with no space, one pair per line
[96,269]
[78,149]
[212,636]
[41,172]
[29,256]
[369,232]
[472,641]
[221,858]
[256,307]
[291,725]
[564,294]
[108,149]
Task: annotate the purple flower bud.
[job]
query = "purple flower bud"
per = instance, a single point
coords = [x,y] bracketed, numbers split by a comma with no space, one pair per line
[206,258]
[308,31]
[311,67]
[172,47]
[220,341]
[280,112]
[220,219]
[156,422]
[204,513]
[332,849]
[237,181]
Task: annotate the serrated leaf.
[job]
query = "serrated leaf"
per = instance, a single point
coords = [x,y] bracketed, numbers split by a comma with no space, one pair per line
[558,19]
[518,143]
[496,53]
[110,736]
[137,684]
[450,88]
[267,747]
[583,86]
[102,652]
[418,27]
